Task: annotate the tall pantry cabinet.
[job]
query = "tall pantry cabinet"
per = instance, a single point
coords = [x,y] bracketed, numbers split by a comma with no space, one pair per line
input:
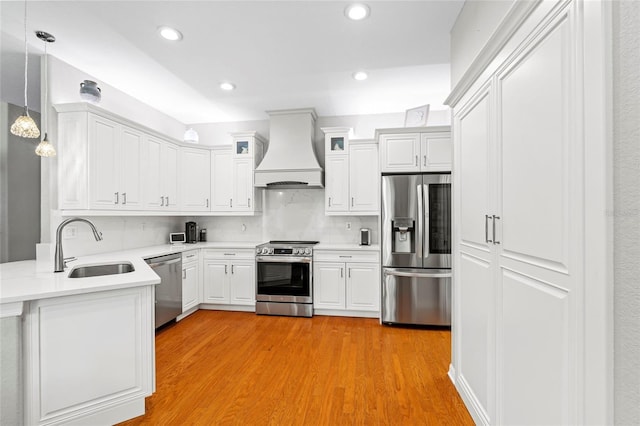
[522,243]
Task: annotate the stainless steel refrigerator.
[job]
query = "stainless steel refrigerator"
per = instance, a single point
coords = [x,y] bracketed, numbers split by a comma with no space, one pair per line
[416,249]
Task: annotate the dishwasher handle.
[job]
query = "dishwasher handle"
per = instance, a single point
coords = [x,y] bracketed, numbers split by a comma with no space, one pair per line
[164,262]
[409,274]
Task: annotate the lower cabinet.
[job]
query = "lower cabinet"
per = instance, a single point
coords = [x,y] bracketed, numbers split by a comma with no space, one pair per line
[229,277]
[190,280]
[346,283]
[89,359]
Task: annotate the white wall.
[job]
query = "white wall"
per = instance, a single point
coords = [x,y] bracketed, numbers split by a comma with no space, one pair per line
[626,148]
[475,24]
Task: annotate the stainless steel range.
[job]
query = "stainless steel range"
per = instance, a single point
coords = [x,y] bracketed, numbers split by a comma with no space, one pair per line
[284,276]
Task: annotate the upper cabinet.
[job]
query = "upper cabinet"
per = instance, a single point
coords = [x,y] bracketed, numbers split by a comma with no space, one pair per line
[195,183]
[351,174]
[232,178]
[160,167]
[418,149]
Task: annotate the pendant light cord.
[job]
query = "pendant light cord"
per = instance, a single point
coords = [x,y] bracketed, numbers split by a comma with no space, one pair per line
[46,90]
[26,58]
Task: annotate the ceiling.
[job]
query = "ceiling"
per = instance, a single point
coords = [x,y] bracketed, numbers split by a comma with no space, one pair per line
[279,54]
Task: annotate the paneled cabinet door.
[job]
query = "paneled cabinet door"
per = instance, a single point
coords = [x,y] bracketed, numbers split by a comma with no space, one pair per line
[221,180]
[363,289]
[171,176]
[337,183]
[216,282]
[130,169]
[436,152]
[329,285]
[153,173]
[189,285]
[243,184]
[243,283]
[363,178]
[196,179]
[104,163]
[400,153]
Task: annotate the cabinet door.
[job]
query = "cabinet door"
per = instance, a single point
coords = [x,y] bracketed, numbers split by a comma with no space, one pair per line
[104,160]
[242,184]
[152,173]
[130,169]
[189,285]
[221,182]
[363,286]
[400,153]
[171,176]
[216,281]
[196,183]
[364,178]
[243,283]
[329,285]
[337,183]
[436,152]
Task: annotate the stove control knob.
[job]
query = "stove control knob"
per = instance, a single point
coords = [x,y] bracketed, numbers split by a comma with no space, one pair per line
[265,250]
[296,251]
[270,250]
[307,251]
[258,250]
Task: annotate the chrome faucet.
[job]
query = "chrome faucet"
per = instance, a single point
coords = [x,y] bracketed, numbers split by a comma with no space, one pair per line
[59,258]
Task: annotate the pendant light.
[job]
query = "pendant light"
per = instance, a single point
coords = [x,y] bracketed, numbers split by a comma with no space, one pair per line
[24,126]
[44,148]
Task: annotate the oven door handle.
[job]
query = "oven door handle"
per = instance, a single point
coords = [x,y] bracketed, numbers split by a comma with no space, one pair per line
[277,259]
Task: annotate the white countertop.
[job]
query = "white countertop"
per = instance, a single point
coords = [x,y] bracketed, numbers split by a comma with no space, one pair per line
[32,280]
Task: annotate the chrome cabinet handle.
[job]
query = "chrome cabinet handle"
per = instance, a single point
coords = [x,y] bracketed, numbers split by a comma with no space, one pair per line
[161,201]
[184,274]
[341,272]
[117,198]
[416,161]
[225,269]
[167,201]
[229,254]
[124,197]
[424,161]
[486,229]
[349,272]
[207,200]
[232,269]
[345,257]
[351,201]
[231,202]
[249,202]
[329,201]
[494,229]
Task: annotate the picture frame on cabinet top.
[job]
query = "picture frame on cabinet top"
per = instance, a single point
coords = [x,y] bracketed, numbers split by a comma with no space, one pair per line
[416,117]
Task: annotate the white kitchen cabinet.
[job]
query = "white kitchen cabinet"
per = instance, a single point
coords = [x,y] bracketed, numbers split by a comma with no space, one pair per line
[161,165]
[523,248]
[415,150]
[229,279]
[351,174]
[232,178]
[346,283]
[195,165]
[115,153]
[89,359]
[190,280]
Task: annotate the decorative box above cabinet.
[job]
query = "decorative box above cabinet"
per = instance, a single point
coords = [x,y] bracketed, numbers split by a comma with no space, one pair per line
[351,174]
[232,178]
[101,162]
[415,149]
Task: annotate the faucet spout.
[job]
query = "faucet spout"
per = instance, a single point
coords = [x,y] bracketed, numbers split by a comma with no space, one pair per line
[59,257]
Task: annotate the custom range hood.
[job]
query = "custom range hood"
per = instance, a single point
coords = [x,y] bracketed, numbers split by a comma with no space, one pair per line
[290,161]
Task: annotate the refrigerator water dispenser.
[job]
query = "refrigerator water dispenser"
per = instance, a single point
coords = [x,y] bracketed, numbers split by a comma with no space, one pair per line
[404,240]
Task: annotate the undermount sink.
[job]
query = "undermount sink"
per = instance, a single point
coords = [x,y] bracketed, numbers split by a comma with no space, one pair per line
[98,270]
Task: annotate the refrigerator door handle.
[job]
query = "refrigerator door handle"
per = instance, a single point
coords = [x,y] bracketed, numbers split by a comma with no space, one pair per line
[397,273]
[419,230]
[426,231]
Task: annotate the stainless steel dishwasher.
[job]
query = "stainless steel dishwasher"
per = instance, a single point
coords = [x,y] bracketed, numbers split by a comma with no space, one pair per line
[169,291]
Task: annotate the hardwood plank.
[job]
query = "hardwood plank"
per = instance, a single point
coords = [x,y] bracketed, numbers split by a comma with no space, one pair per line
[217,367]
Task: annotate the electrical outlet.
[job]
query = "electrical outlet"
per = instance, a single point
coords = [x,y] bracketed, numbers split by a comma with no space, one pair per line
[348,225]
[70,232]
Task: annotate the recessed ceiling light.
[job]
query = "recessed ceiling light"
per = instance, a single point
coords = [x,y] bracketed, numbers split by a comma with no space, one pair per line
[357,11]
[227,86]
[360,75]
[169,33]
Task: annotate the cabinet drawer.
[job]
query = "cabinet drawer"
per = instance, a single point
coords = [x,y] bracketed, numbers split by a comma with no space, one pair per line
[346,256]
[229,254]
[190,256]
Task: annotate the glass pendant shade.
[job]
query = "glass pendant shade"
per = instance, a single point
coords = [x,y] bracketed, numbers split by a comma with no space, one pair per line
[45,149]
[25,127]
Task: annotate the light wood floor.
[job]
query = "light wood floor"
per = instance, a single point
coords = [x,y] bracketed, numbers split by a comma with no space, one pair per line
[219,367]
